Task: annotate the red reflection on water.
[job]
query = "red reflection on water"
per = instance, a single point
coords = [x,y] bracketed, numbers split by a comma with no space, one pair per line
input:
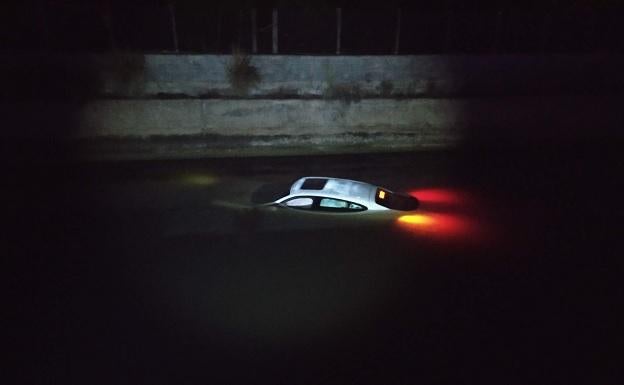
[444,214]
[439,196]
[439,225]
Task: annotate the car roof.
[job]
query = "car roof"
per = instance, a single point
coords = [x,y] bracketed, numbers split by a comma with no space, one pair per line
[334,187]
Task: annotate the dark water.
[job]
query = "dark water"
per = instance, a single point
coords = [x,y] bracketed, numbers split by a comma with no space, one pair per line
[159,272]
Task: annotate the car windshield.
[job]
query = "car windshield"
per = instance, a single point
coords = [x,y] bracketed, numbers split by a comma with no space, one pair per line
[395,201]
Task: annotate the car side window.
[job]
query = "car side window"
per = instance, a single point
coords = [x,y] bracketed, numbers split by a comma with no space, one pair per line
[300,203]
[331,204]
[355,206]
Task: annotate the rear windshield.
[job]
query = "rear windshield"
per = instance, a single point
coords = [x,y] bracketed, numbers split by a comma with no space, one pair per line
[395,201]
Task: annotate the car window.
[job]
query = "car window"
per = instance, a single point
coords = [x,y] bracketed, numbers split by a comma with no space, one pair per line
[355,206]
[339,205]
[300,203]
[334,203]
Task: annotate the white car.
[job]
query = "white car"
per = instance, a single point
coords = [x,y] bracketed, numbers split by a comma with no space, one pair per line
[337,195]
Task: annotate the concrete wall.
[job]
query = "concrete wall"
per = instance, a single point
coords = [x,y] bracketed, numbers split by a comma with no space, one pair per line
[511,116]
[308,102]
[148,76]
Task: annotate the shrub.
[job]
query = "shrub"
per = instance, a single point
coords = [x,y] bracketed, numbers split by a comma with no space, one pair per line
[241,74]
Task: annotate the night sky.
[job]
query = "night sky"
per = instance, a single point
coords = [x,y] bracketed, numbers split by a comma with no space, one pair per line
[310,28]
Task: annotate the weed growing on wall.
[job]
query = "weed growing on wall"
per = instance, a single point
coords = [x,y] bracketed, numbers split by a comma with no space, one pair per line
[344,92]
[241,74]
[385,88]
[126,73]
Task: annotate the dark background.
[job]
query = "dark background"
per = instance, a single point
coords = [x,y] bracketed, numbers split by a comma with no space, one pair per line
[310,28]
[111,276]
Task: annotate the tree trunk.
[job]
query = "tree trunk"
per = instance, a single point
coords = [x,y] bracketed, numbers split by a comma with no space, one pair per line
[174,32]
[274,26]
[239,30]
[107,17]
[397,34]
[338,29]
[218,44]
[254,28]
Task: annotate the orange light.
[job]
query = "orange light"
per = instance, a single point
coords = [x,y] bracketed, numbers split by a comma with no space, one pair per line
[382,194]
[442,226]
[416,219]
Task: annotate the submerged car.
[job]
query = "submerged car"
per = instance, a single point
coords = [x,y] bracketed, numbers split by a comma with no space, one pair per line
[337,195]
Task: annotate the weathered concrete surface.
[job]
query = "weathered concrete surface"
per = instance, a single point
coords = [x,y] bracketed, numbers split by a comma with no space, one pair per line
[191,128]
[202,146]
[183,105]
[166,75]
[517,116]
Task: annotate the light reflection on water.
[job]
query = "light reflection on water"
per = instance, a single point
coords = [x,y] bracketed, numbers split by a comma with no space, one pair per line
[286,277]
[439,225]
[199,179]
[440,196]
[445,214]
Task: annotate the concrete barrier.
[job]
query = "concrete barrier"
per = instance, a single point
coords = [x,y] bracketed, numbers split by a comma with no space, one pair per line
[207,127]
[514,116]
[183,75]
[183,105]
